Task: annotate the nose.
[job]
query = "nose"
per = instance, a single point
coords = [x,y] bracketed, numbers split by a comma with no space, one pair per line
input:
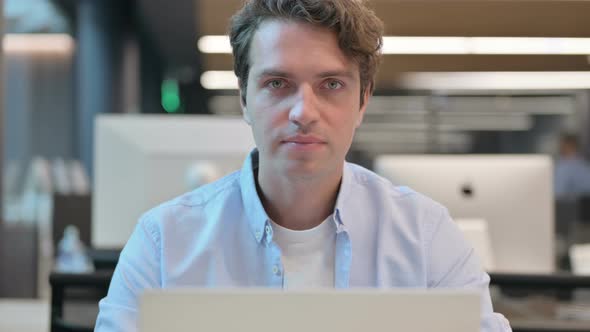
[304,112]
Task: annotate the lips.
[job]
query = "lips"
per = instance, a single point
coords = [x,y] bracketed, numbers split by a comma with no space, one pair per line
[301,139]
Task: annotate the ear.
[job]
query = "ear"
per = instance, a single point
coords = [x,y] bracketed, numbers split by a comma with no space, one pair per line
[363,109]
[245,113]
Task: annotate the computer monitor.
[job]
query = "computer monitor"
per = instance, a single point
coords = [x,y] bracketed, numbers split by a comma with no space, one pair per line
[143,160]
[298,311]
[477,233]
[512,193]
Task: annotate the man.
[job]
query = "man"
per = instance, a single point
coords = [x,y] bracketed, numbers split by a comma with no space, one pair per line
[297,215]
[572,172]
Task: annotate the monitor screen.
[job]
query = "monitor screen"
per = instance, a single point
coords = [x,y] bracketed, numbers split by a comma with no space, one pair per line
[512,193]
[143,160]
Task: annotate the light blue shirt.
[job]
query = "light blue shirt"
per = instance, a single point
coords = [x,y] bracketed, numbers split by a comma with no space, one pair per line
[220,236]
[572,177]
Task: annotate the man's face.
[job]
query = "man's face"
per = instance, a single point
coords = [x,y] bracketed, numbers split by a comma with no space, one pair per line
[302,99]
[568,148]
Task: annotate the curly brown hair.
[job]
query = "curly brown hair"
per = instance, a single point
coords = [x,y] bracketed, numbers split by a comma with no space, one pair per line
[358,29]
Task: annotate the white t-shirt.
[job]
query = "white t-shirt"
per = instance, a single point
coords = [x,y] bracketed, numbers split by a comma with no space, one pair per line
[308,256]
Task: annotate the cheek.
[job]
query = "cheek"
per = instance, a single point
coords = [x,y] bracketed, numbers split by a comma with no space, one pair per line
[264,124]
[346,128]
[344,119]
[272,113]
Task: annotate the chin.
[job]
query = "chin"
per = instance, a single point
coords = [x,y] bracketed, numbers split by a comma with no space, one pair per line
[299,166]
[306,169]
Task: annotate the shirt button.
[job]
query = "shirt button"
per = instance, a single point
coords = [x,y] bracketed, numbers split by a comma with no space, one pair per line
[258,235]
[276,270]
[267,228]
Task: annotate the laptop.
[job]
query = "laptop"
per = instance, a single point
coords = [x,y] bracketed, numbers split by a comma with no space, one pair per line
[317,311]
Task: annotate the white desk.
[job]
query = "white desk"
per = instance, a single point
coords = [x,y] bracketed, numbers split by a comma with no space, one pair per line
[24,315]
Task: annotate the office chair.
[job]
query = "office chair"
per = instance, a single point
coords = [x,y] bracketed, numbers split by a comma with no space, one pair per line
[86,288]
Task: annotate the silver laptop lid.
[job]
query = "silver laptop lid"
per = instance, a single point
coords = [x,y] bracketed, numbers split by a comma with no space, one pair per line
[326,310]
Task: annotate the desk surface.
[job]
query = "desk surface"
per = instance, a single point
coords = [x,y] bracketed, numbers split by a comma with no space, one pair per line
[24,315]
[540,281]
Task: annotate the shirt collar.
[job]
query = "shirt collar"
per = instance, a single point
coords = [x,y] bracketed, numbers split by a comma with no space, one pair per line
[258,219]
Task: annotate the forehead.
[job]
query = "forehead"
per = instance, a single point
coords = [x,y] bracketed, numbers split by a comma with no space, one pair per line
[298,47]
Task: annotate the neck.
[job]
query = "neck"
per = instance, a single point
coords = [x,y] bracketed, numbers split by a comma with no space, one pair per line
[297,203]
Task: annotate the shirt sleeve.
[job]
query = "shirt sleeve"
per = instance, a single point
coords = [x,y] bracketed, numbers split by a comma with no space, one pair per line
[452,263]
[138,269]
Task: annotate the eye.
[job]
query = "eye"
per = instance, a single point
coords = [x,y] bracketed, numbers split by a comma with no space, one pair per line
[333,85]
[276,84]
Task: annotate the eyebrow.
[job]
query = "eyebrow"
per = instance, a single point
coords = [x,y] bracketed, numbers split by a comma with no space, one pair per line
[330,73]
[337,73]
[273,72]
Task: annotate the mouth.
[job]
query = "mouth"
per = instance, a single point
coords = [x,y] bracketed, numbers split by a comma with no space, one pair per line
[303,140]
[303,144]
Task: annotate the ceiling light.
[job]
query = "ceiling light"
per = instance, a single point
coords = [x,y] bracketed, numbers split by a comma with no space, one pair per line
[215,44]
[38,43]
[450,45]
[219,80]
[486,45]
[496,80]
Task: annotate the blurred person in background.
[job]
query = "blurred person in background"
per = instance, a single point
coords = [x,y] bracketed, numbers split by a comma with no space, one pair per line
[572,171]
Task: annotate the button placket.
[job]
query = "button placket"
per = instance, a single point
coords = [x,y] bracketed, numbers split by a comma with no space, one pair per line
[276,270]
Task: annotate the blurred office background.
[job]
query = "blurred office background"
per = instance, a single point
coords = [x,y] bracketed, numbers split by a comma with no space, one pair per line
[102,97]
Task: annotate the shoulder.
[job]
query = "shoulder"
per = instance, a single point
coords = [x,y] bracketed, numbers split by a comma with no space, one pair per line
[374,184]
[396,203]
[196,204]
